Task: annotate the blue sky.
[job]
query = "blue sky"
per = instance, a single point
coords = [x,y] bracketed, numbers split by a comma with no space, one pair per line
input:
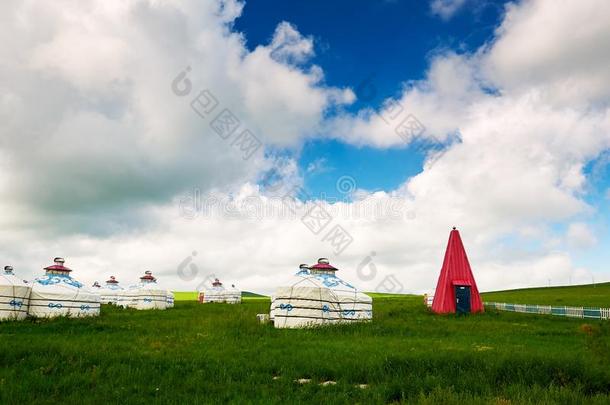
[524,169]
[363,45]
[382,45]
[390,41]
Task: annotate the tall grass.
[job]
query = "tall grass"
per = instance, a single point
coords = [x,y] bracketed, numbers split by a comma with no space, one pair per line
[218,353]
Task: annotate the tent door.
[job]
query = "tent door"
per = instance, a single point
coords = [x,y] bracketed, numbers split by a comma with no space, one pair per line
[462,299]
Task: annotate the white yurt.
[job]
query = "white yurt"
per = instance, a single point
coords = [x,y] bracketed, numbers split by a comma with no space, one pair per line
[169,299]
[128,298]
[58,294]
[316,296]
[214,294]
[147,294]
[111,292]
[232,295]
[14,295]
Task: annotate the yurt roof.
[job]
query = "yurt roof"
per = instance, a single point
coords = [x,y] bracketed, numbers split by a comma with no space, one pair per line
[305,277]
[58,266]
[55,272]
[147,276]
[112,280]
[10,278]
[323,264]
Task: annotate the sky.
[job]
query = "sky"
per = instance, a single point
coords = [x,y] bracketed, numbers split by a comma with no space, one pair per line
[231,139]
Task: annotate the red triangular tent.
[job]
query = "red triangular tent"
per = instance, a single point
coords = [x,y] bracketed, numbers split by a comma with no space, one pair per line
[455,272]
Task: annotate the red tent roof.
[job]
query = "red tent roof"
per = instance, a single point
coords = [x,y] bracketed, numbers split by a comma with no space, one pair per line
[455,271]
[323,264]
[59,266]
[147,276]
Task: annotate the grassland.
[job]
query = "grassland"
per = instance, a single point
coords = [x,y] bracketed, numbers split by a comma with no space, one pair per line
[192,296]
[591,295]
[218,353]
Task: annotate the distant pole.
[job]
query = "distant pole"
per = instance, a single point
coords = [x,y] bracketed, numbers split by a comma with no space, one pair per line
[549,282]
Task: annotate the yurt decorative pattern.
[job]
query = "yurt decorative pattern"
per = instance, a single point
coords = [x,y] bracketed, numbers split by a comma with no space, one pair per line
[58,294]
[148,294]
[169,299]
[111,292]
[14,295]
[316,296]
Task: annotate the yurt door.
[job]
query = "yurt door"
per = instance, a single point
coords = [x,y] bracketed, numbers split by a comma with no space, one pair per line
[462,299]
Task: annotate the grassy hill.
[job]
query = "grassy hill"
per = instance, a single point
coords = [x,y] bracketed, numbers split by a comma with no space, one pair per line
[192,295]
[589,295]
[250,294]
[219,353]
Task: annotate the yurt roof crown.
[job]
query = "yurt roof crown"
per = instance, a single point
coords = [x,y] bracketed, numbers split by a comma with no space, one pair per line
[148,277]
[112,280]
[96,284]
[322,267]
[58,268]
[8,269]
[217,283]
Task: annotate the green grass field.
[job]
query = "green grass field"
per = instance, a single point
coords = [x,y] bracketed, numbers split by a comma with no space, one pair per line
[589,295]
[192,296]
[218,353]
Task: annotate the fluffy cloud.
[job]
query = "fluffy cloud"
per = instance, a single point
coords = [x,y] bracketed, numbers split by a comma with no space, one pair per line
[529,116]
[556,47]
[440,103]
[90,122]
[289,46]
[97,151]
[580,236]
[445,9]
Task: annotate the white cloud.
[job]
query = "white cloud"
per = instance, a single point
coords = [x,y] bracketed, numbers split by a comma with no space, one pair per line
[289,46]
[100,151]
[580,236]
[440,102]
[318,166]
[90,124]
[446,9]
[556,47]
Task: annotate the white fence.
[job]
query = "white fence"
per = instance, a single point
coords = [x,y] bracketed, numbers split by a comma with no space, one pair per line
[573,312]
